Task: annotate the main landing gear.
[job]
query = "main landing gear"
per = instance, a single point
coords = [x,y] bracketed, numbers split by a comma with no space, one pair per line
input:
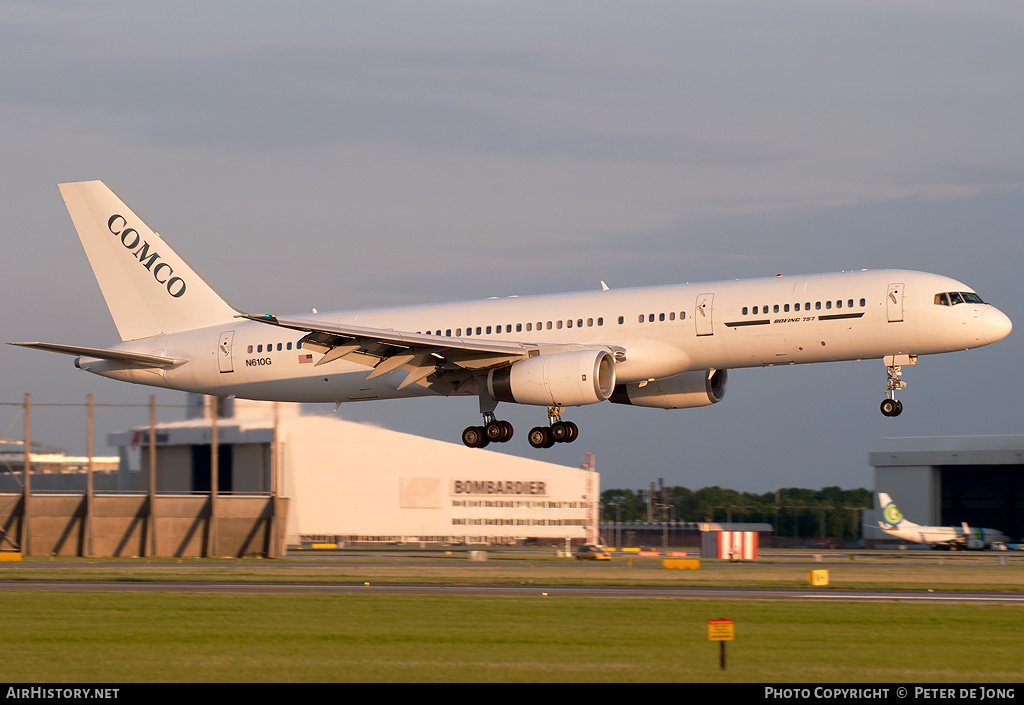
[891,406]
[557,432]
[493,431]
[498,431]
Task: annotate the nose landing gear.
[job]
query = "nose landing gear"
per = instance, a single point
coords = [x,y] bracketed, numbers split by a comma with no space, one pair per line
[891,406]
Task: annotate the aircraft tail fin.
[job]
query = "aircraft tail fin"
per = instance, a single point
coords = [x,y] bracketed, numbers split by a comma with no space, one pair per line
[148,287]
[891,515]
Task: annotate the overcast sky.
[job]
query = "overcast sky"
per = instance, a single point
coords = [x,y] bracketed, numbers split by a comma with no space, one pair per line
[346,155]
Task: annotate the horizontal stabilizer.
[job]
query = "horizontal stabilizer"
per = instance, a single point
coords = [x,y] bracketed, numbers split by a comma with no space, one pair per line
[131,358]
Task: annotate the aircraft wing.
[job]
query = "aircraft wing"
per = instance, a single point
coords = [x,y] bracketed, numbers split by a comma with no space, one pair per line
[131,358]
[386,350]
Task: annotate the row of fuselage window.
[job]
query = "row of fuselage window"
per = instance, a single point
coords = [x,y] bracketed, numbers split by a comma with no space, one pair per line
[806,306]
[509,328]
[280,346]
[553,325]
[591,322]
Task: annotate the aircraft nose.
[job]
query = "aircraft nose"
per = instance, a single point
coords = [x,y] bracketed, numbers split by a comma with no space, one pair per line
[995,325]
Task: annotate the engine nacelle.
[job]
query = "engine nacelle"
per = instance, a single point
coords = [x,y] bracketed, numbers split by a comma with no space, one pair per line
[559,379]
[690,389]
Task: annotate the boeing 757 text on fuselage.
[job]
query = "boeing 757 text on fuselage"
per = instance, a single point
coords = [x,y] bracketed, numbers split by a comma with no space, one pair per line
[667,347]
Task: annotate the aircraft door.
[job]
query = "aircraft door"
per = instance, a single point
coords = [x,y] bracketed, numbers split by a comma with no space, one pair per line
[224,358]
[702,314]
[894,303]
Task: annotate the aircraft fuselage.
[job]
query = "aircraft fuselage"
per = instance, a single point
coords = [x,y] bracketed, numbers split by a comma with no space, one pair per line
[667,347]
[662,331]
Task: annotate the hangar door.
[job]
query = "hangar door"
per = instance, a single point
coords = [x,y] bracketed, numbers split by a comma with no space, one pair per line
[988,496]
[202,465]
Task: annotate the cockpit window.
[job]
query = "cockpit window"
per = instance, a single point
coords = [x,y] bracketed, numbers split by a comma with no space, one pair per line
[952,298]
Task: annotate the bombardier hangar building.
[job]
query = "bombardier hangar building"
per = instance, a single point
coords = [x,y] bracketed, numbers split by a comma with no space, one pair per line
[356,482]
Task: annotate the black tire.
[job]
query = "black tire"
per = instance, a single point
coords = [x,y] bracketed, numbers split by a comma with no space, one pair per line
[888,407]
[473,437]
[539,437]
[495,432]
[560,431]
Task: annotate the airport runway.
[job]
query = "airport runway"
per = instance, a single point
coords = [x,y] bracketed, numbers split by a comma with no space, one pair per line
[619,592]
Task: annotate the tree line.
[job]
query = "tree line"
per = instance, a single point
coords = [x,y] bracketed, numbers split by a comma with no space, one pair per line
[830,512]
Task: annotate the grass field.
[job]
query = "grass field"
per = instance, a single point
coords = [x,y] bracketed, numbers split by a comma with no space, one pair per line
[142,637]
[206,637]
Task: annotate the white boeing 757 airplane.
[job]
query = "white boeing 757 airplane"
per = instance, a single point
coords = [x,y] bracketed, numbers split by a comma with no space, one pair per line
[667,347]
[951,537]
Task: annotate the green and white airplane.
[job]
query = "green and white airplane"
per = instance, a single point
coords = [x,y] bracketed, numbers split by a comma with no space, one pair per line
[953,537]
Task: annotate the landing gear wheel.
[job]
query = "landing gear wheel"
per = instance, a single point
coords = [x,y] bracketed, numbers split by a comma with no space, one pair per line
[494,432]
[540,437]
[475,437]
[499,431]
[891,407]
[565,431]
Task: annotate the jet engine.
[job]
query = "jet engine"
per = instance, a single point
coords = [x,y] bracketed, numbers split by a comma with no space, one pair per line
[690,389]
[558,379]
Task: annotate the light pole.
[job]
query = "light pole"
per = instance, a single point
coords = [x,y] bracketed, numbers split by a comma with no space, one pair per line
[796,517]
[736,506]
[857,522]
[617,533]
[823,507]
[664,524]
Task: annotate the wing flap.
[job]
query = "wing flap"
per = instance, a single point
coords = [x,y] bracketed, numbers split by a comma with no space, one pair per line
[390,364]
[419,368]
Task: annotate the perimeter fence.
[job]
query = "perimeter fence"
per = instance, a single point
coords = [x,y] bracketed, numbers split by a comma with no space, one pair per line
[212,498]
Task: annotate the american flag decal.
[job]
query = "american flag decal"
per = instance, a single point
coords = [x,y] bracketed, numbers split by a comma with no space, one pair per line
[303,359]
